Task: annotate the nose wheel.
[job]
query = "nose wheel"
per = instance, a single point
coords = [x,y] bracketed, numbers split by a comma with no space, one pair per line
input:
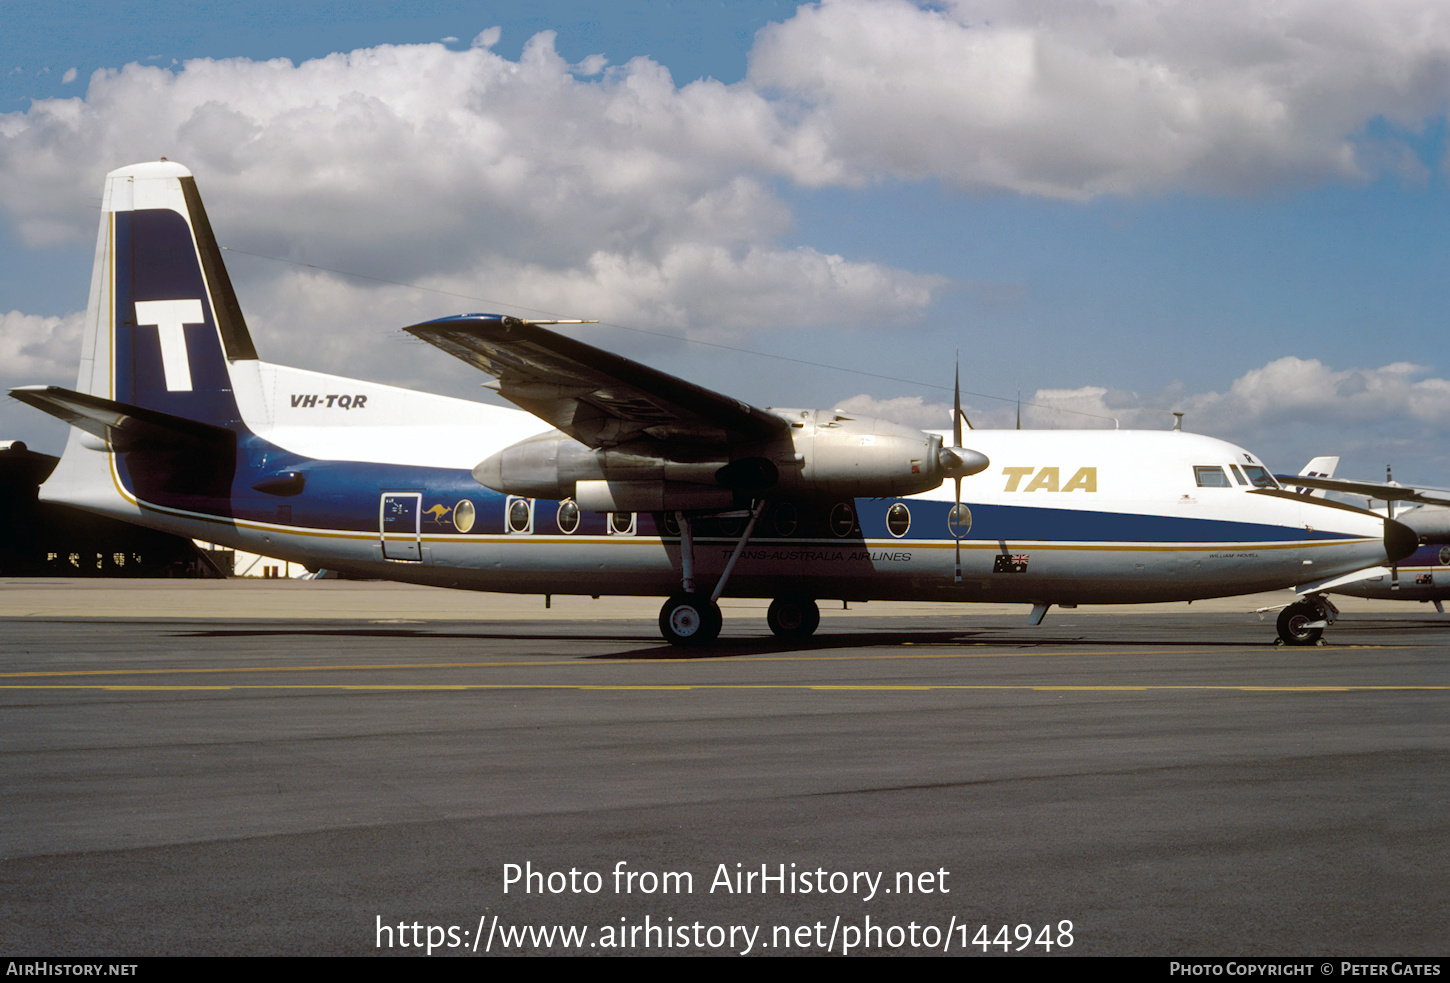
[1303,623]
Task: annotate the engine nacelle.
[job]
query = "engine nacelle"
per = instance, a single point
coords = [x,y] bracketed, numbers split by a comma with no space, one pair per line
[1430,522]
[839,455]
[552,464]
[650,496]
[823,454]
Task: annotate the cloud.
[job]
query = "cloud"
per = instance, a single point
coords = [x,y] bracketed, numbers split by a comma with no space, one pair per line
[35,349]
[68,77]
[1073,100]
[1287,411]
[582,190]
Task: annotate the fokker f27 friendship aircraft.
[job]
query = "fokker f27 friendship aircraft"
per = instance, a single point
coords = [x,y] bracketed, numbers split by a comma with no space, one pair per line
[622,480]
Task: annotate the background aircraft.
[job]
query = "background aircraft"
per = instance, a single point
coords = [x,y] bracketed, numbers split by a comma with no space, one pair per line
[1423,576]
[646,484]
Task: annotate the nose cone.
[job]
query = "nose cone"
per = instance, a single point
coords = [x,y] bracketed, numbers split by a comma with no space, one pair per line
[489,473]
[1400,540]
[959,462]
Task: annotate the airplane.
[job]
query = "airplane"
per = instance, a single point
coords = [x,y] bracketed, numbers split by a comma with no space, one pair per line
[1423,576]
[624,480]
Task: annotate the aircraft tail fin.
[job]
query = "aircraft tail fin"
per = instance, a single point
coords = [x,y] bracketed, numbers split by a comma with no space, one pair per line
[163,323]
[1319,467]
[154,412]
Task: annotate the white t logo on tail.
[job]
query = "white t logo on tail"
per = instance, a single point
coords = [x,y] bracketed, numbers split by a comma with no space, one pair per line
[170,316]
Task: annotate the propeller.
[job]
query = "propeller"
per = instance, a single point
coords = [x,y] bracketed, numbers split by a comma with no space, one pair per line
[1390,514]
[957,479]
[958,462]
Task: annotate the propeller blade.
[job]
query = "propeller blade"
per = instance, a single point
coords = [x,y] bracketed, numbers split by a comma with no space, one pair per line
[957,413]
[957,501]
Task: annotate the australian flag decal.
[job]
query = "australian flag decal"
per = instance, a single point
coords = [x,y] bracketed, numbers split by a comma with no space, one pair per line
[1015,563]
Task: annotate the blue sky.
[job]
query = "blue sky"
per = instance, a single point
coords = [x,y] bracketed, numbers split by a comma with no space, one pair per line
[1234,210]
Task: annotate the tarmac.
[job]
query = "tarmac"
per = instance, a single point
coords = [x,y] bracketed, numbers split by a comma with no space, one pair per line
[340,768]
[249,598]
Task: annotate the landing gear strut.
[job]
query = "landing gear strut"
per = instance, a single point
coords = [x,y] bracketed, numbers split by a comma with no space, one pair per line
[691,618]
[1303,622]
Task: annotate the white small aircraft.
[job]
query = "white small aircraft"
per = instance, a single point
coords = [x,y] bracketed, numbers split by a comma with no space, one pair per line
[622,480]
[1425,574]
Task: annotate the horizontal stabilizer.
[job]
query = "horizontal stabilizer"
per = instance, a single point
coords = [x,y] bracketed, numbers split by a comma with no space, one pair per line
[123,426]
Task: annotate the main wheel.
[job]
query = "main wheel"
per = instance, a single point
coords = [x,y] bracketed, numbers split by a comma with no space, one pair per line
[690,619]
[793,617]
[1294,622]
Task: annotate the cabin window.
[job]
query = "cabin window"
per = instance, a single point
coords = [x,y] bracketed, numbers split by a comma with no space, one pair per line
[729,526]
[898,520]
[621,523]
[1260,477]
[843,519]
[1238,475]
[786,519]
[959,521]
[463,516]
[520,515]
[1211,477]
[567,518]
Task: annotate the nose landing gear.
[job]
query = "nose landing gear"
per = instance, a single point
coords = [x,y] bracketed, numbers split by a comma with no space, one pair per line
[1304,621]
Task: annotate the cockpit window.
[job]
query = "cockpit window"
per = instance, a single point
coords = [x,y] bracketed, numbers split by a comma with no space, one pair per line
[1238,475]
[1210,477]
[1260,477]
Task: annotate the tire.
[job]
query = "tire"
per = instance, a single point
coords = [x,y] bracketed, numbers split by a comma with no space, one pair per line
[1294,624]
[793,617]
[690,619]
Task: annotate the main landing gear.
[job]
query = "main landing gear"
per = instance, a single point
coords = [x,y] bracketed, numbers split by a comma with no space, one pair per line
[690,619]
[793,617]
[693,618]
[1304,621]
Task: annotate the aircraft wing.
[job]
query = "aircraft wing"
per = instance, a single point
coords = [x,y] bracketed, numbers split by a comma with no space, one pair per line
[1380,490]
[594,396]
[1343,580]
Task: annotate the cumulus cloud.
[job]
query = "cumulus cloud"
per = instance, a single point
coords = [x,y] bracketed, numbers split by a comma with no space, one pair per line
[615,192]
[1287,411]
[1072,100]
[36,349]
[582,190]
